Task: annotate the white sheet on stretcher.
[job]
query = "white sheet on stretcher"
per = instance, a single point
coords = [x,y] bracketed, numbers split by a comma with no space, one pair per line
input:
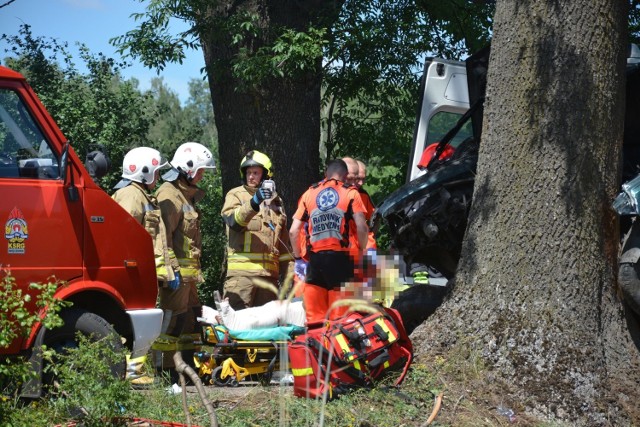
[274,313]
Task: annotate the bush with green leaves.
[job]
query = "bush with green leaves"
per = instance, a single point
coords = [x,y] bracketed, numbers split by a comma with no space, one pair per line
[85,391]
[20,311]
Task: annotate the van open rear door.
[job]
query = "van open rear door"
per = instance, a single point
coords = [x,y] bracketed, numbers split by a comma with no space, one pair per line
[444,98]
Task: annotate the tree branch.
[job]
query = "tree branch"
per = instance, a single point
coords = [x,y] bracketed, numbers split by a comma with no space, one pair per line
[6,4]
[183,369]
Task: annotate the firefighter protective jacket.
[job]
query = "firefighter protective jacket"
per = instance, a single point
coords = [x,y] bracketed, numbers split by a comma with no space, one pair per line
[177,200]
[258,241]
[145,209]
[328,207]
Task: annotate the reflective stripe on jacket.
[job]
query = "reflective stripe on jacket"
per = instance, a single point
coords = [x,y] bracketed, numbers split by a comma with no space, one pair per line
[258,242]
[177,201]
[328,207]
[144,208]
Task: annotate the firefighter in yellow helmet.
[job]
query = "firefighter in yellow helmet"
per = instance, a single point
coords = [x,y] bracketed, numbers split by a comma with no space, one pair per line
[258,240]
[177,198]
[140,172]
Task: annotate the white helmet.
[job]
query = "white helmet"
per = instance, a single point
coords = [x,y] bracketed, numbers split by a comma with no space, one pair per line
[140,165]
[190,157]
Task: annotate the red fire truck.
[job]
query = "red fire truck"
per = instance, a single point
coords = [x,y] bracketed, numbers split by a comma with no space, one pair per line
[59,225]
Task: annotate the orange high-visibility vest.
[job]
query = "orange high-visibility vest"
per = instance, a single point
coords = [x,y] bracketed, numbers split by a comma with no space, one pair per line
[328,207]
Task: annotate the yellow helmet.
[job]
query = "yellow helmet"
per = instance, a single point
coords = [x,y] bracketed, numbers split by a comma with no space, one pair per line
[256,158]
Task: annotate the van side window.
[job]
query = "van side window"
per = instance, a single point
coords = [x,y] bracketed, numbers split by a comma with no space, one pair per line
[24,151]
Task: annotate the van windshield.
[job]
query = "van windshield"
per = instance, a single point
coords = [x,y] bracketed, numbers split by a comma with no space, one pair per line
[441,123]
[24,151]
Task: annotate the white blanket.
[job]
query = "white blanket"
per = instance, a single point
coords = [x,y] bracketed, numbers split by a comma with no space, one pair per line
[274,313]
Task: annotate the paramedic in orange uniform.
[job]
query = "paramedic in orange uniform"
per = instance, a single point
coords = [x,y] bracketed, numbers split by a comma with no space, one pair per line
[327,210]
[355,178]
[366,201]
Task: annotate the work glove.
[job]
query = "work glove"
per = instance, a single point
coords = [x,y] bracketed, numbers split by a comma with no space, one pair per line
[300,268]
[175,283]
[261,194]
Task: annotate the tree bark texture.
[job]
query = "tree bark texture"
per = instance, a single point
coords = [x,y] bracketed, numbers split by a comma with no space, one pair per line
[280,116]
[535,289]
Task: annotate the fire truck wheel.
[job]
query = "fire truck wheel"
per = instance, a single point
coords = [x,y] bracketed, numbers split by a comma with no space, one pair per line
[90,325]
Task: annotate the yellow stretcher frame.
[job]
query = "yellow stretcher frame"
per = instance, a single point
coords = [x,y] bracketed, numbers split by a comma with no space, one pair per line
[229,361]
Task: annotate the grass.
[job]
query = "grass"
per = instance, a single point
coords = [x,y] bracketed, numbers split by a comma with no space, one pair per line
[460,378]
[276,406]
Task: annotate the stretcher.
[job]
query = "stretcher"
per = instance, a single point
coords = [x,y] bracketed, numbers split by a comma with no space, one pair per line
[228,357]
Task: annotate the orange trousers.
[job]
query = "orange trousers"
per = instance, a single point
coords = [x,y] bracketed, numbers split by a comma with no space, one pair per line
[317,301]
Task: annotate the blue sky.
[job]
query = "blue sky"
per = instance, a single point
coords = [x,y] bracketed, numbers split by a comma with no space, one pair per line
[94,22]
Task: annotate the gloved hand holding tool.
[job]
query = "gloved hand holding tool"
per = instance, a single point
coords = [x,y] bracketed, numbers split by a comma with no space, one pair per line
[261,194]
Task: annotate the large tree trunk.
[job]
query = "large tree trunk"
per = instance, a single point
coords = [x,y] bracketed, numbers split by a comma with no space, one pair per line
[278,116]
[535,289]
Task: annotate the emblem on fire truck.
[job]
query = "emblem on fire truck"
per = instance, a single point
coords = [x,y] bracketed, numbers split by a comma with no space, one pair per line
[15,231]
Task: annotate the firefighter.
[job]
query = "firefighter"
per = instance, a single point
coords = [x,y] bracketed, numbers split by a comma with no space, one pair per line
[258,250]
[328,209]
[140,172]
[177,198]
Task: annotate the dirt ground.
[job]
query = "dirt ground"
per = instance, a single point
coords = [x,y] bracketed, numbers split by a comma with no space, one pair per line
[235,394]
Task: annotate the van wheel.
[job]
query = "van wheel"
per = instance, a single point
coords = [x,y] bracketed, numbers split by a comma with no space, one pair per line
[88,324]
[417,303]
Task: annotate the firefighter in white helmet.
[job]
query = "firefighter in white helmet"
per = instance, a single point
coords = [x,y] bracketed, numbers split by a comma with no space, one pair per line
[140,172]
[177,198]
[259,250]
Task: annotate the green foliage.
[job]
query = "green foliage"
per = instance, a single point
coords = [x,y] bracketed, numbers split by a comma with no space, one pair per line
[458,27]
[87,385]
[292,52]
[634,21]
[152,41]
[20,311]
[175,124]
[87,390]
[199,110]
[97,108]
[214,239]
